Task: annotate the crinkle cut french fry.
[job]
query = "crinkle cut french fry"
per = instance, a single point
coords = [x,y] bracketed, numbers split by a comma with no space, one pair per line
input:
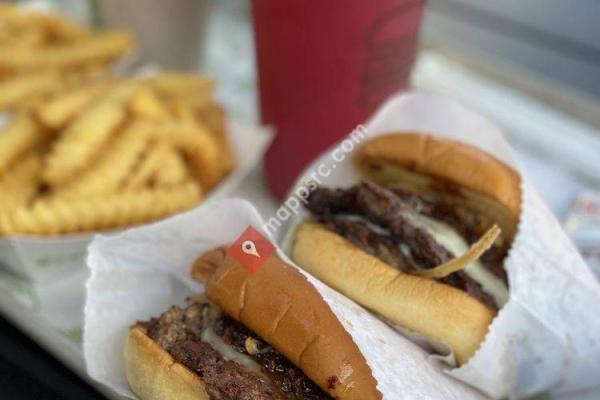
[102,212]
[214,117]
[87,74]
[20,186]
[147,167]
[7,11]
[146,104]
[14,15]
[56,27]
[172,169]
[209,118]
[21,135]
[179,84]
[22,86]
[57,112]
[116,163]
[102,46]
[182,110]
[86,135]
[200,148]
[22,37]
[59,28]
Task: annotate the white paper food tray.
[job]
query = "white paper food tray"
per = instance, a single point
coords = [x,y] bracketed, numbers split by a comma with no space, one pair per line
[41,259]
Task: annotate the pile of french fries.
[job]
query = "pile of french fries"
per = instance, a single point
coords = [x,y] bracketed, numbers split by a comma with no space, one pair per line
[42,54]
[83,150]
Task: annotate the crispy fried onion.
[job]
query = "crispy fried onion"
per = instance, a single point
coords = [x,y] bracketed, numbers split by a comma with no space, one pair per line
[461,262]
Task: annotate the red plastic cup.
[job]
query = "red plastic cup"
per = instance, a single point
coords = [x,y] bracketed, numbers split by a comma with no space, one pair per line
[323,68]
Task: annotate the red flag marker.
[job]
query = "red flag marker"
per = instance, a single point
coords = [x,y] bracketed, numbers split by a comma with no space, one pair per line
[251,249]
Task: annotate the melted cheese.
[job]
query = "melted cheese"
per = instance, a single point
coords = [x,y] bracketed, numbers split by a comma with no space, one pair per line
[360,219]
[452,241]
[230,354]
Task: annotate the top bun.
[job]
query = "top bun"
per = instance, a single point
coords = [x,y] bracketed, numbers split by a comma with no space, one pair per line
[283,308]
[449,160]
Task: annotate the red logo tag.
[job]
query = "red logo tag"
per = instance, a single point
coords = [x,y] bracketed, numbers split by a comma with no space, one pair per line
[251,249]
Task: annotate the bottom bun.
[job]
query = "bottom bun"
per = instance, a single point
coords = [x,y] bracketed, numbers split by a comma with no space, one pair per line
[154,375]
[435,310]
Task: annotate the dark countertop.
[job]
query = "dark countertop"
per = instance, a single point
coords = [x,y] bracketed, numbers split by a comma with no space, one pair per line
[29,372]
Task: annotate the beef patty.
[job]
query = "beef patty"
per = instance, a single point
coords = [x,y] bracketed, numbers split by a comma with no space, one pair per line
[379,221]
[199,335]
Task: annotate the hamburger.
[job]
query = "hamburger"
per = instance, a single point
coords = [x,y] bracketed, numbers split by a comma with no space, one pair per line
[425,203]
[264,335]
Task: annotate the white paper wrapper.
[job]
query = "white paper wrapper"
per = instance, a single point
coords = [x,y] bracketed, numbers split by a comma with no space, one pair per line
[143,271]
[547,337]
[40,259]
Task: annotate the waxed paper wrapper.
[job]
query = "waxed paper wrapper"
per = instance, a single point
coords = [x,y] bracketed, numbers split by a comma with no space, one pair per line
[140,273]
[546,339]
